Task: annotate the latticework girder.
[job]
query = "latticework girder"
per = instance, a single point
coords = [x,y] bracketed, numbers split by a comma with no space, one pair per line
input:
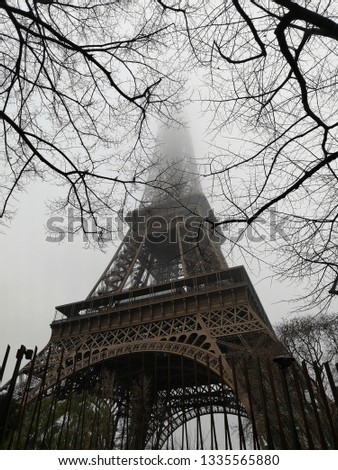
[168,334]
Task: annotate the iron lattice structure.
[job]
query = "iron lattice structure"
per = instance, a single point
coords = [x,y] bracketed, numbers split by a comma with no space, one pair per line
[168,335]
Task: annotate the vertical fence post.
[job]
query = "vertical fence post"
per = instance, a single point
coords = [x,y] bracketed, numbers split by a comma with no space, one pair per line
[21,353]
[309,383]
[199,434]
[326,406]
[334,388]
[242,443]
[23,405]
[269,437]
[252,411]
[227,436]
[284,363]
[4,363]
[301,402]
[276,405]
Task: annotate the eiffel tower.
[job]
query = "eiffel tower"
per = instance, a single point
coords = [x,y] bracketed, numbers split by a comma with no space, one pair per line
[157,344]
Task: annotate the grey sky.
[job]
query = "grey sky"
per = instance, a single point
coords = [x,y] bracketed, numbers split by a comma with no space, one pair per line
[37,275]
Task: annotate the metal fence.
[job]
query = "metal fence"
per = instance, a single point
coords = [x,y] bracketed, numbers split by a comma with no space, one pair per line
[162,401]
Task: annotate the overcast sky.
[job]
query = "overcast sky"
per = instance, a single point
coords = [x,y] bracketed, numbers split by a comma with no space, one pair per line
[37,275]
